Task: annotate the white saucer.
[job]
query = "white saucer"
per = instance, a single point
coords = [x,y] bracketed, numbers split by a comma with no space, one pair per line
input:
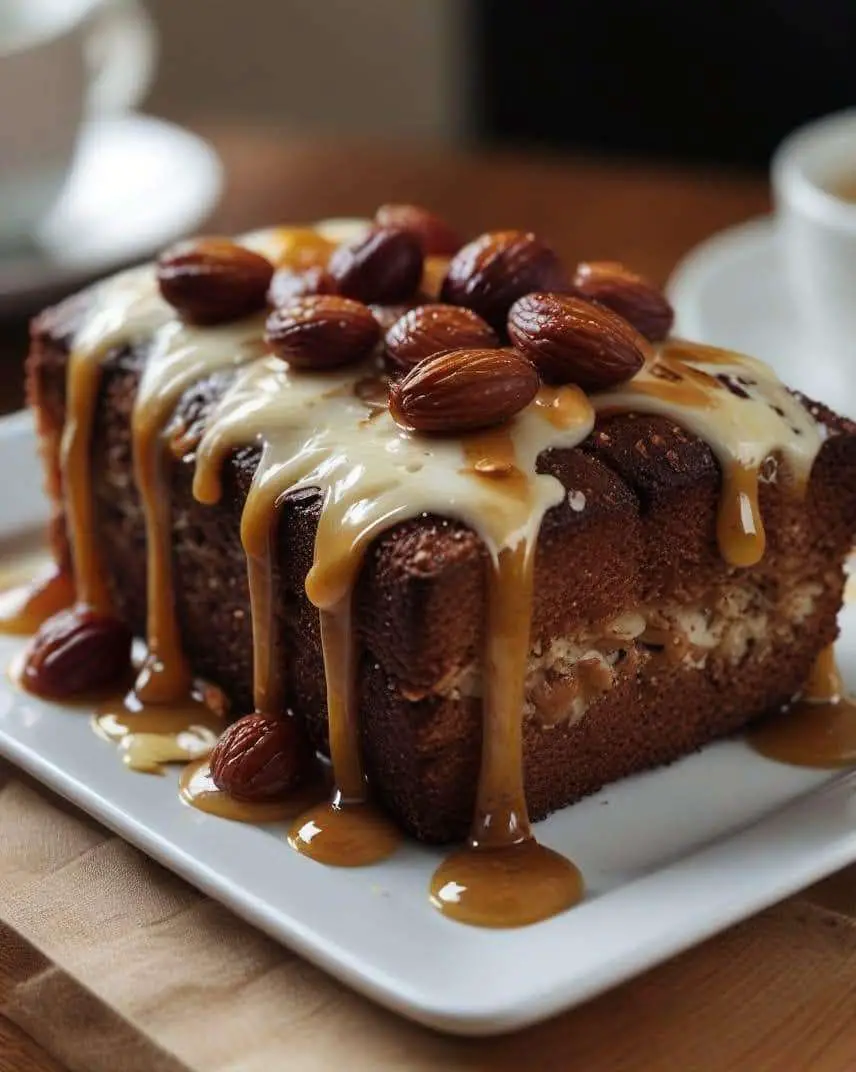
[137,184]
[730,291]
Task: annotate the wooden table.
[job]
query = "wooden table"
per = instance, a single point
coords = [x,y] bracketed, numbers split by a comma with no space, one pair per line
[646,216]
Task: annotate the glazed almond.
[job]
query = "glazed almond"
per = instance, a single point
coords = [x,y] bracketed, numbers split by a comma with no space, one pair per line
[321,331]
[77,651]
[496,269]
[260,758]
[575,341]
[383,267]
[628,294]
[430,329]
[463,390]
[213,280]
[435,236]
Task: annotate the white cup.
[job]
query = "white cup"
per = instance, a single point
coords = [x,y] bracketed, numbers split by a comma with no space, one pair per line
[817,230]
[61,61]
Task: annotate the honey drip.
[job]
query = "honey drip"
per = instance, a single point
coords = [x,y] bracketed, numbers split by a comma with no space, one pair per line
[818,729]
[504,878]
[197,788]
[24,608]
[150,737]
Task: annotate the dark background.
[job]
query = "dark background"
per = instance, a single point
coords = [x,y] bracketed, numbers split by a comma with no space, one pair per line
[700,82]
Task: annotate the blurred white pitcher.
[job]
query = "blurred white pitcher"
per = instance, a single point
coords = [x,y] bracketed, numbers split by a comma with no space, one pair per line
[61,62]
[814,185]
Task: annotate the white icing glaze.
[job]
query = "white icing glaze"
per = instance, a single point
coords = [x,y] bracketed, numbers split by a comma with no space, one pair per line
[317,433]
[753,420]
[740,431]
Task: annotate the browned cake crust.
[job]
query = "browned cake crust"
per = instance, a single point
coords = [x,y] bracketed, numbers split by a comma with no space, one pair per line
[721,647]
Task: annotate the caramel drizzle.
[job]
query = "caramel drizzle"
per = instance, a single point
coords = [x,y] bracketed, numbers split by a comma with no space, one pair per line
[128,306]
[165,675]
[739,527]
[181,356]
[824,683]
[501,816]
[739,407]
[84,377]
[316,434]
[819,727]
[123,310]
[371,475]
[340,655]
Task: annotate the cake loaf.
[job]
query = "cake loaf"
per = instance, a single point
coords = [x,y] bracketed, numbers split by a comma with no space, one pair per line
[646,642]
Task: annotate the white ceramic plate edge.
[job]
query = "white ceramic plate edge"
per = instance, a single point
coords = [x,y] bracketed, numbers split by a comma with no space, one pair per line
[686,282]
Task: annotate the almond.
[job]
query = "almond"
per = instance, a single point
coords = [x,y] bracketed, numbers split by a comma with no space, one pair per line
[462,390]
[435,236]
[77,651]
[430,329]
[213,280]
[628,294]
[575,341]
[260,757]
[495,269]
[288,283]
[321,331]
[383,267]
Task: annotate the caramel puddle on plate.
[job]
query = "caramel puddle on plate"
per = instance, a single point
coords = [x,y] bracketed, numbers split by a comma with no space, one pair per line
[196,788]
[149,736]
[818,729]
[339,834]
[511,886]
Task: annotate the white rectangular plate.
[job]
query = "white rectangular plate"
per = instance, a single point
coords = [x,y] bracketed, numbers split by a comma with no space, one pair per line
[669,857]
